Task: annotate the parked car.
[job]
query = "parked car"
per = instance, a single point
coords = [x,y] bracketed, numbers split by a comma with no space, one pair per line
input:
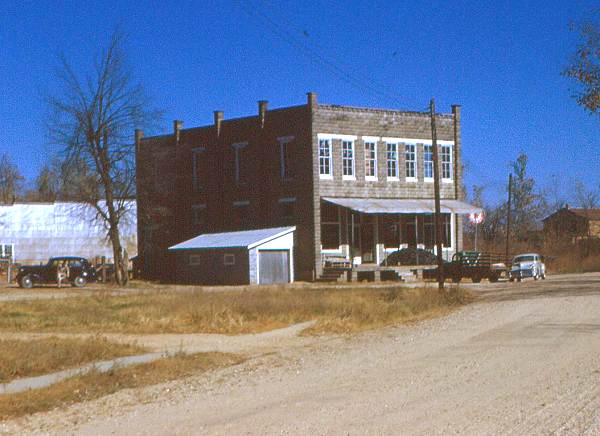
[527,265]
[80,272]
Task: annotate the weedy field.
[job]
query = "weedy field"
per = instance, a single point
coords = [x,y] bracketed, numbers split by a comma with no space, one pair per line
[252,310]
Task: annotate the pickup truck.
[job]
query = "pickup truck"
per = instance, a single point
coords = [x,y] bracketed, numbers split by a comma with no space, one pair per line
[472,265]
[80,272]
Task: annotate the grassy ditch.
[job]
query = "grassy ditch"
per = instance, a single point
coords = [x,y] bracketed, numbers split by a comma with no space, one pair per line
[95,384]
[345,309]
[19,358]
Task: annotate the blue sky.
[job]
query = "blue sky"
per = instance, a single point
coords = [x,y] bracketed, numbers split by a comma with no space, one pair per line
[500,60]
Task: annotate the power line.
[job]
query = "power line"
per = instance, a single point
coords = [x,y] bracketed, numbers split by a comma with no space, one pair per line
[310,53]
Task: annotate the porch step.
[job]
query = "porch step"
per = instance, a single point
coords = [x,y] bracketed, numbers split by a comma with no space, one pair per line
[333,275]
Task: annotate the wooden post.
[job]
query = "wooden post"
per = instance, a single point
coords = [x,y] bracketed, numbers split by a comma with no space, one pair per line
[508,217]
[436,188]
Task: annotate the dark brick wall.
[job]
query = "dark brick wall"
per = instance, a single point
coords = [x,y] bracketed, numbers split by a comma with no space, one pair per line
[167,194]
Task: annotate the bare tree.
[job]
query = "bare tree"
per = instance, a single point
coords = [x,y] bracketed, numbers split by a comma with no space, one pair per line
[584,67]
[11,180]
[93,118]
[586,198]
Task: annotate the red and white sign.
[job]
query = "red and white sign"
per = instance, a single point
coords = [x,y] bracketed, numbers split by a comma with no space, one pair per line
[476,218]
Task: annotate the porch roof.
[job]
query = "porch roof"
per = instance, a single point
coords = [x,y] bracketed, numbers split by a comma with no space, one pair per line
[393,205]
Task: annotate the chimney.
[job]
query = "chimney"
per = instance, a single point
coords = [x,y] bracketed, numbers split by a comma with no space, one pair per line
[218,119]
[312,99]
[177,125]
[262,110]
[138,139]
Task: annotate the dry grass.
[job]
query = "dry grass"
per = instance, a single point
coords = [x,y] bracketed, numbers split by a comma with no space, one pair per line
[95,385]
[20,358]
[336,310]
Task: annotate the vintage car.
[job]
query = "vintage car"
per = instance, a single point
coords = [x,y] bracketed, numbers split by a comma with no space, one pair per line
[80,272]
[527,265]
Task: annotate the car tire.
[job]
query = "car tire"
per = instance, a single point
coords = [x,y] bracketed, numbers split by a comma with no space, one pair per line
[456,279]
[476,279]
[26,282]
[519,279]
[79,282]
[493,279]
[511,279]
[543,276]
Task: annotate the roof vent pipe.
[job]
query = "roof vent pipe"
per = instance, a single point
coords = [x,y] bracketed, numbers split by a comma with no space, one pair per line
[218,120]
[177,125]
[262,110]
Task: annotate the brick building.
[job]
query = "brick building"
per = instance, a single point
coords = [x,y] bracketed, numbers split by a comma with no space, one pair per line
[357,183]
[572,224]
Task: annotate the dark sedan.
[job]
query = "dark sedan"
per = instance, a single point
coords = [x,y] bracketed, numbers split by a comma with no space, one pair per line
[80,272]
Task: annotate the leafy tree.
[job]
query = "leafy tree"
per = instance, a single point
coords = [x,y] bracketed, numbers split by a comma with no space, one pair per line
[584,67]
[528,205]
[93,121]
[11,180]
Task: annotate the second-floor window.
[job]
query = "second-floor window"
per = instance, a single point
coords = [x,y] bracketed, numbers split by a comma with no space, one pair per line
[447,162]
[285,158]
[371,160]
[392,160]
[239,175]
[199,216]
[428,161]
[410,154]
[196,176]
[325,167]
[348,159]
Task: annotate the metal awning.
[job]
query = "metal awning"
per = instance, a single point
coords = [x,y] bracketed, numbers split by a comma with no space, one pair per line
[392,205]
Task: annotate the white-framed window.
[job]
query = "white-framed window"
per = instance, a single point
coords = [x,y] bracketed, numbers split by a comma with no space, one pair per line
[410,154]
[229,259]
[348,160]
[196,159]
[325,163]
[370,158]
[199,215]
[446,162]
[7,251]
[428,162]
[239,175]
[194,260]
[392,160]
[285,158]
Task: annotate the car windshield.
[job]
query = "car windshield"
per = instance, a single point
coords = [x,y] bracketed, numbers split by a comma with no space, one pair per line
[524,259]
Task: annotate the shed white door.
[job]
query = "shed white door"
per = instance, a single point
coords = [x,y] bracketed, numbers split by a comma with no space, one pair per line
[273,266]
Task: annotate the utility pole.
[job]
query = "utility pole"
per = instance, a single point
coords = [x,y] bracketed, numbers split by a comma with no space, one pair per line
[436,188]
[508,216]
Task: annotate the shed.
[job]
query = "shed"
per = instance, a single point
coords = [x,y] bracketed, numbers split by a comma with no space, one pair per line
[263,256]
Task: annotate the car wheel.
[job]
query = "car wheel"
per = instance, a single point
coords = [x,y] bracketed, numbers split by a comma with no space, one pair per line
[511,279]
[456,279]
[543,276]
[493,279]
[476,279]
[79,282]
[518,279]
[26,282]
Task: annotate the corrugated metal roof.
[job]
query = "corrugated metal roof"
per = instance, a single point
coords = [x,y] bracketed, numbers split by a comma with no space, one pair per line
[392,205]
[242,239]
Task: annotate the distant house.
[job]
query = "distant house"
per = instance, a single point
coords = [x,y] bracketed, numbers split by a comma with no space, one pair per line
[32,232]
[572,224]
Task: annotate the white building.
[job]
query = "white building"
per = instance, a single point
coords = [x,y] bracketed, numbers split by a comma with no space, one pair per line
[33,232]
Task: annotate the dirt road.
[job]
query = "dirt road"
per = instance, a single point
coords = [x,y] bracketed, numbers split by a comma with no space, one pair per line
[525,359]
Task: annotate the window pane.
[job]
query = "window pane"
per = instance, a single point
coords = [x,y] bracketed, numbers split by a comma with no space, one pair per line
[330,236]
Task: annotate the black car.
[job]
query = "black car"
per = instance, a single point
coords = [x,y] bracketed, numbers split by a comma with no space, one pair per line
[80,272]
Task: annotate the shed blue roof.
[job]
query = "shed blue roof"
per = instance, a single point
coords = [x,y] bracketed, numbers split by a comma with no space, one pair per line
[242,239]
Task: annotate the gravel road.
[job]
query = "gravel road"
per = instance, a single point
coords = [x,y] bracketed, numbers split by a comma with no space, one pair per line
[524,359]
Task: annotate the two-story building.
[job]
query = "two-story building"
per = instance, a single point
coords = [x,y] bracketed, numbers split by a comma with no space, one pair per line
[357,183]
